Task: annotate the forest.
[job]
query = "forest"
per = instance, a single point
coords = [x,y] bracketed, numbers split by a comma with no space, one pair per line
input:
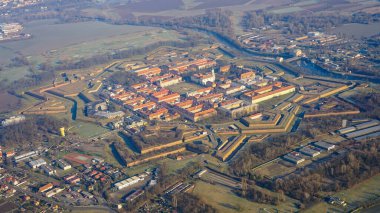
[31,132]
[260,152]
[302,23]
[358,163]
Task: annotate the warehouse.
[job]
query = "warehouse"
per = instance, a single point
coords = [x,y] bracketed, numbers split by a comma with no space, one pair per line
[309,151]
[363,132]
[346,130]
[48,169]
[367,124]
[127,182]
[134,195]
[63,164]
[294,158]
[25,156]
[324,145]
[372,135]
[37,163]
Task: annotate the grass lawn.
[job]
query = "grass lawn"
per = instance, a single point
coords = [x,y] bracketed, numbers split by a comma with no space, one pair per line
[87,130]
[226,201]
[275,169]
[109,157]
[172,165]
[184,87]
[367,190]
[14,73]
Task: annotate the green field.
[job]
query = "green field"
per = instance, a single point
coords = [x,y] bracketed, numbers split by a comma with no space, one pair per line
[184,87]
[53,42]
[224,200]
[367,190]
[287,10]
[87,130]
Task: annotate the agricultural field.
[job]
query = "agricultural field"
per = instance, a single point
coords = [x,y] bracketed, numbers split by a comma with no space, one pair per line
[9,102]
[287,10]
[53,42]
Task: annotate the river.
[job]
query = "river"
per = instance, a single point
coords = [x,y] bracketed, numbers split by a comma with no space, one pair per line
[312,69]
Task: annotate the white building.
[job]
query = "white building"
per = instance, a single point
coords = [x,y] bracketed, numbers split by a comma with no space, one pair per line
[324,145]
[309,151]
[48,170]
[37,163]
[63,164]
[127,182]
[13,120]
[203,79]
[53,192]
[25,156]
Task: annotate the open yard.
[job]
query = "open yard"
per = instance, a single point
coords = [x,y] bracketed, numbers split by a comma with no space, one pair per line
[275,169]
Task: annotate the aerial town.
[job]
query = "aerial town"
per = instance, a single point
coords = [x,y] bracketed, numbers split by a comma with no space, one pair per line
[266,122]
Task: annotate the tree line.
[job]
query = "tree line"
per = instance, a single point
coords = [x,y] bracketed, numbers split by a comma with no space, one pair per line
[261,152]
[31,132]
[302,23]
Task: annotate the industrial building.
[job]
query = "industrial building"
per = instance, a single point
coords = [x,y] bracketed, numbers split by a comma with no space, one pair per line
[13,120]
[367,124]
[37,163]
[372,135]
[358,127]
[362,132]
[63,164]
[134,195]
[324,145]
[127,182]
[25,156]
[309,151]
[294,157]
[48,170]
